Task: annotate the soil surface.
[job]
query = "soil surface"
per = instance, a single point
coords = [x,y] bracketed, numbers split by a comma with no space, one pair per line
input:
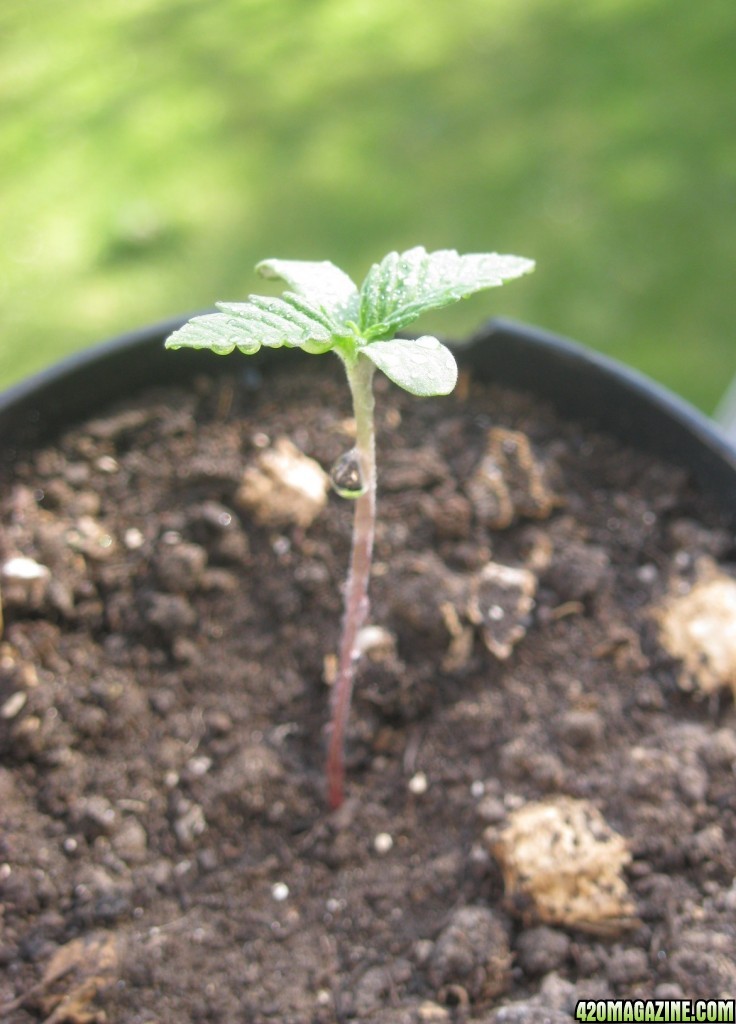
[166,853]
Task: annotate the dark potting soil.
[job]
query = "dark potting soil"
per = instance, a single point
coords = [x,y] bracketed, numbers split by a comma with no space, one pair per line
[166,852]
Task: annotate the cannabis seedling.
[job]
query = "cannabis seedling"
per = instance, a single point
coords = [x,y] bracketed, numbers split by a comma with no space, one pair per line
[324,311]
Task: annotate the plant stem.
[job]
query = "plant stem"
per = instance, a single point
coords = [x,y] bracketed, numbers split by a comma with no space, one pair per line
[360,379]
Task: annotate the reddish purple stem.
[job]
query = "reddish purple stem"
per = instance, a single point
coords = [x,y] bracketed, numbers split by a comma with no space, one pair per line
[360,376]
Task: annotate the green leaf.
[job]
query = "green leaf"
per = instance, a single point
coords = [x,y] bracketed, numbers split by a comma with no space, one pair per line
[289,321]
[322,283]
[421,366]
[404,285]
[215,331]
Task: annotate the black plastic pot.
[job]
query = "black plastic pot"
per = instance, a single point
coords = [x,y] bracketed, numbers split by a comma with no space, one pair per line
[581,384]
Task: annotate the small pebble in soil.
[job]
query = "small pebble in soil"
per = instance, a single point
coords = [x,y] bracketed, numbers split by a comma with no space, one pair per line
[693,782]
[578,571]
[706,845]
[94,815]
[627,966]
[558,993]
[541,950]
[491,810]
[171,613]
[376,985]
[130,841]
[180,567]
[423,586]
[472,951]
[522,760]
[701,956]
[189,824]
[581,729]
[718,750]
[13,706]
[219,723]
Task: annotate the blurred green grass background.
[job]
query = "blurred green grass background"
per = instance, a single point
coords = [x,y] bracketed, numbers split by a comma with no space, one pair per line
[151,151]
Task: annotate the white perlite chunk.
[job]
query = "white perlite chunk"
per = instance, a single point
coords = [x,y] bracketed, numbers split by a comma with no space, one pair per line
[562,860]
[23,569]
[280,891]
[284,487]
[383,843]
[699,628]
[24,583]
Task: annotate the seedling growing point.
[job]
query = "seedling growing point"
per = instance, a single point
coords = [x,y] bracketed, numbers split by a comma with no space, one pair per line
[324,311]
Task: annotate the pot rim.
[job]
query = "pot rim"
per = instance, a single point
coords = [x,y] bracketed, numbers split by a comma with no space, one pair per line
[613,397]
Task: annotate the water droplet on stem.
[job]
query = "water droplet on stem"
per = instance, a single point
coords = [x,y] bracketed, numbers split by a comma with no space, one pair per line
[346,476]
